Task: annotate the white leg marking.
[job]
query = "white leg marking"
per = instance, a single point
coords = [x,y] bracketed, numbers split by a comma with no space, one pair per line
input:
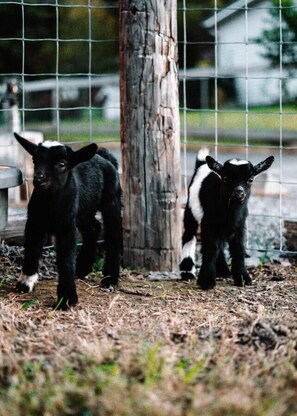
[29,281]
[189,250]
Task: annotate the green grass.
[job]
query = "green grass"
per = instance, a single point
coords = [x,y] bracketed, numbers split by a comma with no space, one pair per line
[258,118]
[149,385]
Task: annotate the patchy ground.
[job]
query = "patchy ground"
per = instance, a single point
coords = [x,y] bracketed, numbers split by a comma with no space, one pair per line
[150,348]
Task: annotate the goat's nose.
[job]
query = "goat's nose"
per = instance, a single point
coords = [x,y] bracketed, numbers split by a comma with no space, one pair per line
[239,193]
[39,177]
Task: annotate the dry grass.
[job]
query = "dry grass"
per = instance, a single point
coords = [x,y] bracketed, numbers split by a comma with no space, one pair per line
[151,348]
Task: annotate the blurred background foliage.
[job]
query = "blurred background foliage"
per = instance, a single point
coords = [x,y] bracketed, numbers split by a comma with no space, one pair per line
[74,24]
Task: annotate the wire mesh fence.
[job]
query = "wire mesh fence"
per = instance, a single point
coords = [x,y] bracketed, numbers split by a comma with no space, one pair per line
[67,71]
[245,104]
[237,88]
[62,57]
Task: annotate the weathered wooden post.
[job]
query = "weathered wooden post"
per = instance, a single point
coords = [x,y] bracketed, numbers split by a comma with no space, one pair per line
[150,134]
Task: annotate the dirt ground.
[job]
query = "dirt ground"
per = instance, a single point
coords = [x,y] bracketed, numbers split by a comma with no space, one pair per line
[150,347]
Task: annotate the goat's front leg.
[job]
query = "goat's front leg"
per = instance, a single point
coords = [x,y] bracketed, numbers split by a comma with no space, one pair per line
[209,250]
[237,250]
[34,239]
[66,253]
[222,269]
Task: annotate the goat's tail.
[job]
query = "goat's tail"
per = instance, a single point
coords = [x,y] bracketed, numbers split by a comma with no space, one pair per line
[103,152]
[201,155]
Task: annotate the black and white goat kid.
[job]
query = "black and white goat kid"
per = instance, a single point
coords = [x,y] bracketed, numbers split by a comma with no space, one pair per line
[218,201]
[69,188]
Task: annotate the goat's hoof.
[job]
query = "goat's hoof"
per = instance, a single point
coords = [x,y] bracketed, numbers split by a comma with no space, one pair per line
[110,288]
[65,304]
[185,276]
[27,283]
[23,287]
[223,273]
[206,284]
[108,282]
[66,301]
[243,281]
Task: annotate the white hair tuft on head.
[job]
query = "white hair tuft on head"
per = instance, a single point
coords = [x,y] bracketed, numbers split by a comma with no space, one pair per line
[238,162]
[49,143]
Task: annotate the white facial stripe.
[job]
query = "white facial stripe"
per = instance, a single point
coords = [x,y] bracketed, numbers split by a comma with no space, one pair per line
[237,162]
[194,201]
[49,143]
[29,281]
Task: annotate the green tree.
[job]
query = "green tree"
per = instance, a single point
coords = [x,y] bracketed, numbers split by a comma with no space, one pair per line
[33,27]
[29,34]
[78,26]
[280,42]
[20,45]
[200,43]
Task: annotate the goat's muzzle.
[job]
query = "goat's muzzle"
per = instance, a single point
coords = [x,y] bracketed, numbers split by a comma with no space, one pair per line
[238,195]
[39,181]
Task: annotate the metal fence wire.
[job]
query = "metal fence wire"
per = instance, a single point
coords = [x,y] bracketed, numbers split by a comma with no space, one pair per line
[236,99]
[247,105]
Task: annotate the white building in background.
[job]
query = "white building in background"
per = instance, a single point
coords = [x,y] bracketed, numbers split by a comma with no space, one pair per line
[238,53]
[109,97]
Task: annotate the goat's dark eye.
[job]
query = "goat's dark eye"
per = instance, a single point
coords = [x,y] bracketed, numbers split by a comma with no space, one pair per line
[250,181]
[61,166]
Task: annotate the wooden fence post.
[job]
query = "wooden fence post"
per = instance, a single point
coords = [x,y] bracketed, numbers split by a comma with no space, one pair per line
[150,134]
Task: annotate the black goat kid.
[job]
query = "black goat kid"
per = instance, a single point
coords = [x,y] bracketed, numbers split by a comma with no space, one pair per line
[217,200]
[69,188]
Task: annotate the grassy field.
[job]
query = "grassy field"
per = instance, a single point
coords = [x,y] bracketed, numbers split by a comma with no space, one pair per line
[259,118]
[151,348]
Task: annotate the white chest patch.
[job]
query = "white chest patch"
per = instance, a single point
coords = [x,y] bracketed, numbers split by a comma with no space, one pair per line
[194,201]
[49,143]
[237,162]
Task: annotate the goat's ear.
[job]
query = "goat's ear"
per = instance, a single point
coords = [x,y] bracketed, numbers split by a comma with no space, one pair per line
[28,146]
[214,165]
[83,154]
[264,165]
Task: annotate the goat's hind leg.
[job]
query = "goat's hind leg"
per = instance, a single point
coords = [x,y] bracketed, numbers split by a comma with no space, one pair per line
[111,213]
[209,250]
[187,265]
[88,250]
